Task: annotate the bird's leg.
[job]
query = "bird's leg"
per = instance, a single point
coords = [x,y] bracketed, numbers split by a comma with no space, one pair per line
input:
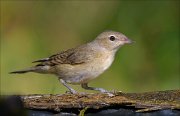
[85,86]
[65,84]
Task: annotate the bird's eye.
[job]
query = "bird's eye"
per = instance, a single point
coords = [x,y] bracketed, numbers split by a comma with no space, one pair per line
[112,38]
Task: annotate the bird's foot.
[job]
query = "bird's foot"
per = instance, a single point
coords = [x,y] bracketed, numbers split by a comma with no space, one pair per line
[109,93]
[72,91]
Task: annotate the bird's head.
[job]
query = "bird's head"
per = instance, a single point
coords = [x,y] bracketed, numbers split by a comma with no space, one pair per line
[112,40]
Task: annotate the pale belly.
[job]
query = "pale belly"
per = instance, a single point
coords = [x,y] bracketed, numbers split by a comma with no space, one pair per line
[83,73]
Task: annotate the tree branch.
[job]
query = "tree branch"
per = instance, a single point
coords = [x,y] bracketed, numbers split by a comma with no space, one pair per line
[141,102]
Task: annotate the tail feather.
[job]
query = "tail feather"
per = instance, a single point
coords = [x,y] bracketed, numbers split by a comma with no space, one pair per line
[22,71]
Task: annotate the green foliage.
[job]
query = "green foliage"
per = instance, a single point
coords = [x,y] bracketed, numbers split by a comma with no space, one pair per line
[31,30]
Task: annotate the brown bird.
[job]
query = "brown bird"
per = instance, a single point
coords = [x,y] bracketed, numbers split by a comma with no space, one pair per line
[84,63]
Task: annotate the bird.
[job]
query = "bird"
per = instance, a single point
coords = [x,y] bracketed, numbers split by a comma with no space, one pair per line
[81,64]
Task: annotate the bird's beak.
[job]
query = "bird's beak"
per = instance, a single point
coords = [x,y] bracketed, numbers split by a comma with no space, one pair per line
[129,41]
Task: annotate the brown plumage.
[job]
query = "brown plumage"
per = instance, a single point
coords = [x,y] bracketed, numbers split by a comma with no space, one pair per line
[81,64]
[71,56]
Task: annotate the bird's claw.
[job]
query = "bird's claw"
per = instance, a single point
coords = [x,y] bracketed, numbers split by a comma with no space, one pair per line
[109,93]
[72,91]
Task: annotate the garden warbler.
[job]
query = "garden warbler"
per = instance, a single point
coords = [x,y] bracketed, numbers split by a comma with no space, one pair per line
[84,63]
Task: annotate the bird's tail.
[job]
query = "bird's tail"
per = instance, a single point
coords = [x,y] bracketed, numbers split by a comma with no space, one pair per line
[23,71]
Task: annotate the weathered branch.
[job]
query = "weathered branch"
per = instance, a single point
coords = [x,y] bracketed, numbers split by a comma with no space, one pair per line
[141,102]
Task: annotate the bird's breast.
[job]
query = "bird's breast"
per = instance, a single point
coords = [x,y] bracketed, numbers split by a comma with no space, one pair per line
[103,62]
[85,72]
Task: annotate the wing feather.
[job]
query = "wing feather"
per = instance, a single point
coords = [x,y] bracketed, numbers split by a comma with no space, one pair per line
[71,56]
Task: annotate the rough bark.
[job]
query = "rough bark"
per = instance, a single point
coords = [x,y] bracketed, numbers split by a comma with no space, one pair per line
[141,102]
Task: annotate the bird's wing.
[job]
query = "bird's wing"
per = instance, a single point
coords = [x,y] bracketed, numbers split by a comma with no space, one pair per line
[71,56]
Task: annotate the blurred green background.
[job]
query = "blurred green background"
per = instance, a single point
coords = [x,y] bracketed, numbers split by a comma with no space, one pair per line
[32,30]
